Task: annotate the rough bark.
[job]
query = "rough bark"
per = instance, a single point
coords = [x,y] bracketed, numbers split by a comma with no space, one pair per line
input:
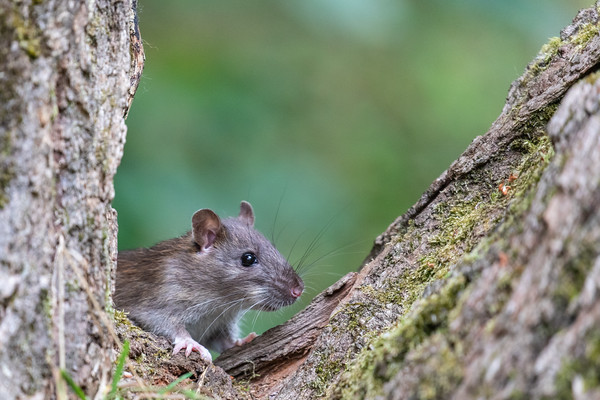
[63,96]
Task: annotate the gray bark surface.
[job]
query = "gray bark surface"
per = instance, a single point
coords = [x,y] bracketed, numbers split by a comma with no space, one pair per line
[64,81]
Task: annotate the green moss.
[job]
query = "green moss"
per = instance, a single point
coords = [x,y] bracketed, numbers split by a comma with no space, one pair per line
[6,176]
[382,359]
[326,368]
[28,35]
[121,319]
[445,366]
[551,48]
[545,55]
[6,170]
[431,314]
[572,276]
[592,78]
[134,333]
[456,235]
[585,33]
[528,172]
[536,124]
[140,359]
[465,221]
[518,394]
[389,296]
[355,315]
[243,385]
[72,286]
[46,304]
[585,368]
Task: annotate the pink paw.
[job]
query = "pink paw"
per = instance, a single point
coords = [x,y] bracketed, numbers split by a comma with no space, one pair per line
[190,345]
[245,340]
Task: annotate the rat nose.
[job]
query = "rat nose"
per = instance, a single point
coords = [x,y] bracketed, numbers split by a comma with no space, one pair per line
[297,291]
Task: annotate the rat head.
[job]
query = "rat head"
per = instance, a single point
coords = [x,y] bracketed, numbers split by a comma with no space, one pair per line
[245,267]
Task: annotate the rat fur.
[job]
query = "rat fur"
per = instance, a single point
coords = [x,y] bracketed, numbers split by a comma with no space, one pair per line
[194,289]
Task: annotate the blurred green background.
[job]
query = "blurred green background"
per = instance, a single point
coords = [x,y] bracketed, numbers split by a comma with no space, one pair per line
[330,116]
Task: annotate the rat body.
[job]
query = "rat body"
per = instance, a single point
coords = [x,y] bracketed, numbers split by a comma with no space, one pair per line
[194,289]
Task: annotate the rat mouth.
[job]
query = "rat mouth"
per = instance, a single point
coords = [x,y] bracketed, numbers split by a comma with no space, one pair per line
[273,305]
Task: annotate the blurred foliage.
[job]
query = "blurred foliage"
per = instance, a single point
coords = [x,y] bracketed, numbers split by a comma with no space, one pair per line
[330,117]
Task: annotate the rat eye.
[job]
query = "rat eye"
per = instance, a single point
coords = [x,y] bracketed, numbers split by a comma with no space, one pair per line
[248,259]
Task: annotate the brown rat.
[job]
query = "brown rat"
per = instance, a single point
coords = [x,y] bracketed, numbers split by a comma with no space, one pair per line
[194,289]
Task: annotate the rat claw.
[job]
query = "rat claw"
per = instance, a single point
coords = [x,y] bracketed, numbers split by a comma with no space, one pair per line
[247,339]
[177,348]
[190,345]
[205,354]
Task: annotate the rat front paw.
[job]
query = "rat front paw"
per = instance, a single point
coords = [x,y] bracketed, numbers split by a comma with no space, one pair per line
[190,345]
[245,340]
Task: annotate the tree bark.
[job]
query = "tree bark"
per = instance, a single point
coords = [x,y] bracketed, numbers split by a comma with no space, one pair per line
[66,74]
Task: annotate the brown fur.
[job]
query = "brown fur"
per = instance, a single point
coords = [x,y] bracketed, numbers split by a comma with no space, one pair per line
[178,287]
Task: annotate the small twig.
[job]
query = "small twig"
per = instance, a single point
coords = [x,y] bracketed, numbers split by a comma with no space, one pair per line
[201,380]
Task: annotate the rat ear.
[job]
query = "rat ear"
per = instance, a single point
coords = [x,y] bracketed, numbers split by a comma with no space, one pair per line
[246,213]
[206,226]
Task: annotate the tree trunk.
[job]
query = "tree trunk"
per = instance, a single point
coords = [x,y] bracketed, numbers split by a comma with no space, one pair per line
[65,86]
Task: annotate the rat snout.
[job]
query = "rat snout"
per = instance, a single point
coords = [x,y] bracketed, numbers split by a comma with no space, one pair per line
[297,289]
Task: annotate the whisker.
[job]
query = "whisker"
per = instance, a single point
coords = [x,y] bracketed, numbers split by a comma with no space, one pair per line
[321,273]
[217,299]
[219,316]
[274,237]
[293,247]
[314,244]
[309,288]
[330,254]
[255,319]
